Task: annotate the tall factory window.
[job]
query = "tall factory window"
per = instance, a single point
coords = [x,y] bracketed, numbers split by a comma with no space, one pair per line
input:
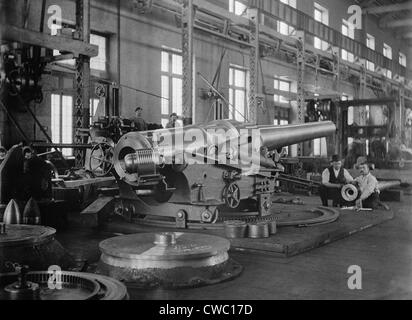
[321,14]
[387,51]
[171,84]
[281,85]
[370,43]
[237,7]
[402,59]
[283,27]
[237,93]
[62,121]
[348,30]
[99,62]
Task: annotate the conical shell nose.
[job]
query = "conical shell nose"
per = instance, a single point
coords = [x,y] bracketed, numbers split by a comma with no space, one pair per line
[12,213]
[31,213]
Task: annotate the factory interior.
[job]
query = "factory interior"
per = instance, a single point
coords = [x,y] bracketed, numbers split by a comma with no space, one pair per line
[205,150]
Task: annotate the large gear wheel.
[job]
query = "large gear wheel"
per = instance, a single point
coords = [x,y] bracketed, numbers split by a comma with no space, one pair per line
[231,195]
[101,159]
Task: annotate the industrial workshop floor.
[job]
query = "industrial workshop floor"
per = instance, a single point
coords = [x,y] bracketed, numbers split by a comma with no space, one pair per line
[384,253]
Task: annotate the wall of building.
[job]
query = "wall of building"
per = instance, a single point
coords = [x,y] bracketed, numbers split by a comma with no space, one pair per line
[139,54]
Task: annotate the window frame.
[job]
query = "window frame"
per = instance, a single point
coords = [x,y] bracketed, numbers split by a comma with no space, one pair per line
[234,113]
[106,51]
[67,152]
[387,51]
[318,43]
[171,76]
[232,7]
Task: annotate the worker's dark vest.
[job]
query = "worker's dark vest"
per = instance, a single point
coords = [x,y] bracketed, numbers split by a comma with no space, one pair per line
[341,176]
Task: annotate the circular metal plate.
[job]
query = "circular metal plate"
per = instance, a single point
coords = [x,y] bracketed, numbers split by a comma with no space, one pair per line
[75,286]
[18,235]
[142,247]
[110,289]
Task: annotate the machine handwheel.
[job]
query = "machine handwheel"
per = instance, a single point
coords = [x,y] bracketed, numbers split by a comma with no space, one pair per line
[231,195]
[101,159]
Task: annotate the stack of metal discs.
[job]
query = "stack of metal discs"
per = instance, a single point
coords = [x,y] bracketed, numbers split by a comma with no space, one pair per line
[167,260]
[235,229]
[258,230]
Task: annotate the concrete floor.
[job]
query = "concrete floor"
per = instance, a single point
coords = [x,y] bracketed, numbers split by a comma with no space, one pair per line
[384,254]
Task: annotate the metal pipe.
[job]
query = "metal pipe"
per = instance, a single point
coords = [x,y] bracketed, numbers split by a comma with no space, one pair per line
[276,137]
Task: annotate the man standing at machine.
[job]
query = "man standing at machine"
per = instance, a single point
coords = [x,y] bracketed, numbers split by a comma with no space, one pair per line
[368,186]
[333,179]
[138,122]
[172,121]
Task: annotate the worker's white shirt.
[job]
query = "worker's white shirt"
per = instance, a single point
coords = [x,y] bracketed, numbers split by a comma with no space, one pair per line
[326,175]
[367,185]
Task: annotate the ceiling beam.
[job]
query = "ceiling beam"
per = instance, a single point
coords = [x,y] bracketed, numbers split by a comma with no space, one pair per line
[397,23]
[407,35]
[35,38]
[389,8]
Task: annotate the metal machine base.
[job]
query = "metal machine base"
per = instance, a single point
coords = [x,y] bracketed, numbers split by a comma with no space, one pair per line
[167,260]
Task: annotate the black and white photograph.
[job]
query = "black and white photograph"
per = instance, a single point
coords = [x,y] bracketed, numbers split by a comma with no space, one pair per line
[205,155]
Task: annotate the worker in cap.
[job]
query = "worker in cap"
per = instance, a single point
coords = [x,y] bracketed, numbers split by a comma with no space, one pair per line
[368,187]
[333,179]
[138,123]
[172,121]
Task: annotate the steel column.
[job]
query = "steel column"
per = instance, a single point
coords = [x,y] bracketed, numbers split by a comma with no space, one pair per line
[187,51]
[82,80]
[300,60]
[253,64]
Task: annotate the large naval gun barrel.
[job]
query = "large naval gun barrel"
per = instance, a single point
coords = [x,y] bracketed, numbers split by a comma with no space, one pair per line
[222,142]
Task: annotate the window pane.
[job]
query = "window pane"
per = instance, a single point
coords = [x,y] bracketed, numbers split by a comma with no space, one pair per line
[231,71]
[177,64]
[165,94]
[350,116]
[99,62]
[370,42]
[318,15]
[240,78]
[345,30]
[67,123]
[165,61]
[240,8]
[283,28]
[55,118]
[317,43]
[177,95]
[231,115]
[284,86]
[240,105]
[276,84]
[344,54]
[283,99]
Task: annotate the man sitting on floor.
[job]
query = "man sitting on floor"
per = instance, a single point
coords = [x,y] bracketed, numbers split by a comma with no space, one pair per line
[368,186]
[333,179]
